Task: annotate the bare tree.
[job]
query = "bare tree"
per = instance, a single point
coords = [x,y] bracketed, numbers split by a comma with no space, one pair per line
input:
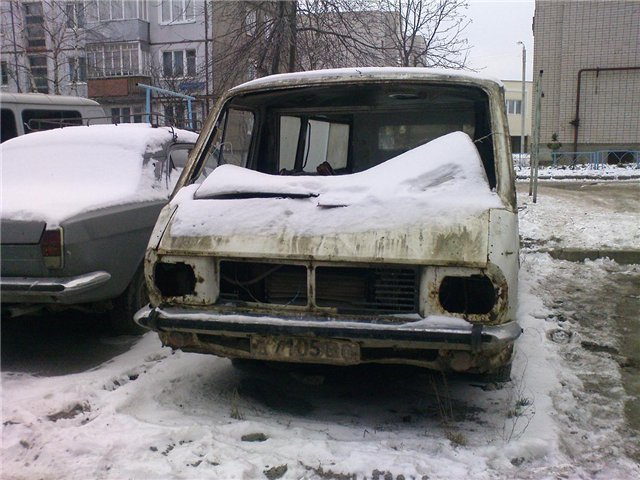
[427,33]
[52,30]
[340,33]
[408,33]
[271,37]
[252,39]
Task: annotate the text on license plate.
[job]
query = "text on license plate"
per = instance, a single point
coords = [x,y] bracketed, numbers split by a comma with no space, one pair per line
[310,350]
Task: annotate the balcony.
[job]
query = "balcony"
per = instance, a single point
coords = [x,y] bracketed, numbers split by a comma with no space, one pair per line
[117,87]
[130,30]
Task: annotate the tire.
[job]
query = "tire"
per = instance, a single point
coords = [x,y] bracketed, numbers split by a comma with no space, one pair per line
[126,305]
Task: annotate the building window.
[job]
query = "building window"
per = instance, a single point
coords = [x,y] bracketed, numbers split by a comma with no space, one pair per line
[34,19]
[137,115]
[251,22]
[110,10]
[175,11]
[514,107]
[39,73]
[105,10]
[4,72]
[190,56]
[115,59]
[121,115]
[77,69]
[75,15]
[174,115]
[176,63]
[133,114]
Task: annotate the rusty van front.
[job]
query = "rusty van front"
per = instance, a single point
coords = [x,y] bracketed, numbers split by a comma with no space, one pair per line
[344,217]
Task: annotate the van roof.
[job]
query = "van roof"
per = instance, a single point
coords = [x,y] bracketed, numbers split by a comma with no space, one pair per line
[43,99]
[365,74]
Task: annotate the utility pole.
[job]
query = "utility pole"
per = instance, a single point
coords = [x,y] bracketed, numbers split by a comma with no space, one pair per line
[536,138]
[206,56]
[523,101]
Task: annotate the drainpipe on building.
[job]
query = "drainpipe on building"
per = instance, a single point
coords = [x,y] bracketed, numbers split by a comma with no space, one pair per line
[576,121]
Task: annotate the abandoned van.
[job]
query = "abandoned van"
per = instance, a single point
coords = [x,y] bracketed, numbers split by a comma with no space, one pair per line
[29,112]
[345,217]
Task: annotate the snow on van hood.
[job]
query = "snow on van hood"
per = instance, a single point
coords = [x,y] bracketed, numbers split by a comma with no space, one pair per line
[443,179]
[59,173]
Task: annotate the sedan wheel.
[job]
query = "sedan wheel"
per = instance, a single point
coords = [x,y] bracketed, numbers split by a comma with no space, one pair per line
[126,306]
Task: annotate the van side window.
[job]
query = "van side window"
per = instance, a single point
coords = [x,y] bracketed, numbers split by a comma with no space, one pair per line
[237,137]
[8,125]
[324,141]
[36,120]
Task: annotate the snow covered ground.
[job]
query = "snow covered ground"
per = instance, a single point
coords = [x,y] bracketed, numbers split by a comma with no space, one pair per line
[153,413]
[581,214]
[624,171]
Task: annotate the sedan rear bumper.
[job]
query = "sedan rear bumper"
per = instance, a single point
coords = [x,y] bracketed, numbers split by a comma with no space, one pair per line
[14,288]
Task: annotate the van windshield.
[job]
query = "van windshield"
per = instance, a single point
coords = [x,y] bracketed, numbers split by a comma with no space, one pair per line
[344,129]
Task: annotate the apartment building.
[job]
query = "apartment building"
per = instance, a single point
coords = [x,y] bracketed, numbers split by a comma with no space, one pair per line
[109,50]
[106,49]
[589,53]
[515,110]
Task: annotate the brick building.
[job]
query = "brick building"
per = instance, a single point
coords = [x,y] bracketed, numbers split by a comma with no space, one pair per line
[589,52]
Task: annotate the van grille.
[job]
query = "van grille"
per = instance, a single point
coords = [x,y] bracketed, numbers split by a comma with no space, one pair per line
[367,290]
[348,290]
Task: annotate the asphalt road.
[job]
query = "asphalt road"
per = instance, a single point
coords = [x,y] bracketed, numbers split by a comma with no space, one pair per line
[58,344]
[616,196]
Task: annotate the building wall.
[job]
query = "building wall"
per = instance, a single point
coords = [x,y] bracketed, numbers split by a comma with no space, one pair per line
[17,71]
[100,35]
[126,43]
[570,36]
[513,92]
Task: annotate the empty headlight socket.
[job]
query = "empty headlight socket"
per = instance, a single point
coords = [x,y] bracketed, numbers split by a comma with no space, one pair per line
[188,280]
[471,293]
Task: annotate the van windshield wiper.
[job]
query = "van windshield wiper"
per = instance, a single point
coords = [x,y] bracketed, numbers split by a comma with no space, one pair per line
[247,195]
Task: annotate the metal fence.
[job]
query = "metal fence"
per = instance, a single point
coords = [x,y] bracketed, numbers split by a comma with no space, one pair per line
[596,159]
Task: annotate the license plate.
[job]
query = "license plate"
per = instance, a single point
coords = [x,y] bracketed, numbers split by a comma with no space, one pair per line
[306,350]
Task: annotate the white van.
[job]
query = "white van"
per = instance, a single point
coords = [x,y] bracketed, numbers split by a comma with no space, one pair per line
[29,112]
[350,216]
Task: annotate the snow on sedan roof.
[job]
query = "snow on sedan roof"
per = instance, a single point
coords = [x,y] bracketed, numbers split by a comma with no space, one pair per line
[59,173]
[438,179]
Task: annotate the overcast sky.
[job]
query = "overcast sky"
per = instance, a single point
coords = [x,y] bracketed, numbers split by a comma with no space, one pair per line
[497,26]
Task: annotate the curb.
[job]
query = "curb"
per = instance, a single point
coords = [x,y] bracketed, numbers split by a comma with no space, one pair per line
[581,177]
[622,257]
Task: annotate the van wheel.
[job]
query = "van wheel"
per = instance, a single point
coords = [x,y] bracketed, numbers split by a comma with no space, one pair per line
[126,305]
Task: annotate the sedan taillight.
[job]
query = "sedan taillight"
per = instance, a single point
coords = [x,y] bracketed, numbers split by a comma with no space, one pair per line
[51,246]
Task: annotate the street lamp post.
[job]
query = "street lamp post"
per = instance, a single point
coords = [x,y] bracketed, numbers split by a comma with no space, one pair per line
[523,105]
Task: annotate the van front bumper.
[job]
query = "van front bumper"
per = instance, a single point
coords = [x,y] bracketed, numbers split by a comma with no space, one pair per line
[436,342]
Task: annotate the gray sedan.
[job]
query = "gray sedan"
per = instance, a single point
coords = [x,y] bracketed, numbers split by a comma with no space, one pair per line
[78,207]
